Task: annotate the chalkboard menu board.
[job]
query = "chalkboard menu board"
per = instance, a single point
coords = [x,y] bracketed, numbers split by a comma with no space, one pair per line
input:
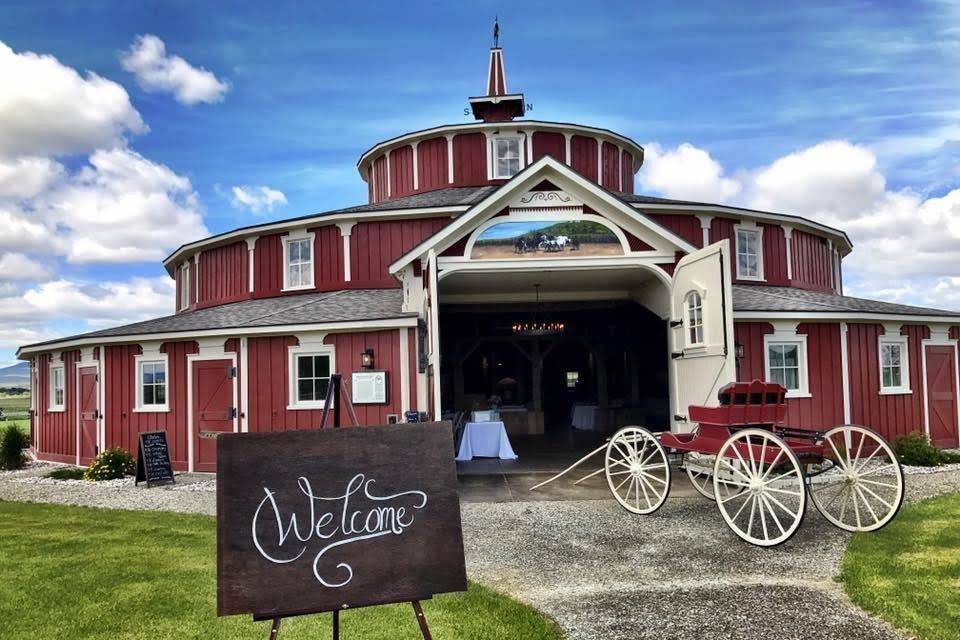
[315,521]
[153,459]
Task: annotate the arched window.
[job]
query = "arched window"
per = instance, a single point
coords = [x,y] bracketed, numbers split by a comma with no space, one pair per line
[694,319]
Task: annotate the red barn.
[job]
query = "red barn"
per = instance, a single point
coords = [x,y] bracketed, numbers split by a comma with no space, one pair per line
[509,258]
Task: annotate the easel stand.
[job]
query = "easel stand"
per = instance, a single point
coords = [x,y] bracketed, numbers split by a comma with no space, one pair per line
[417,609]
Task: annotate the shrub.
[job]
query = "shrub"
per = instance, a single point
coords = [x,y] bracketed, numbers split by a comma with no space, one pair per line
[916,450]
[12,443]
[67,473]
[111,464]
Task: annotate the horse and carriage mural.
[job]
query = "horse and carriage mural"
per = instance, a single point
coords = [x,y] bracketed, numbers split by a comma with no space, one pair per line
[546,238]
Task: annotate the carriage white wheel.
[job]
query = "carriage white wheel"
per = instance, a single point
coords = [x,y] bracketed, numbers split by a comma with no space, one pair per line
[637,469]
[699,468]
[773,501]
[864,489]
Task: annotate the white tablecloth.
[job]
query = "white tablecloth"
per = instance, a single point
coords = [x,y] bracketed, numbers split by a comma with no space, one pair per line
[485,440]
[584,417]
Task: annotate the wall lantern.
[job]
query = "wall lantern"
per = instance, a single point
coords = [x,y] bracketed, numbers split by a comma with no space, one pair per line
[738,350]
[366,358]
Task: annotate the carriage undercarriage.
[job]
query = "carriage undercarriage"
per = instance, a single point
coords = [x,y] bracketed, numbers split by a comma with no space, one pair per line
[760,473]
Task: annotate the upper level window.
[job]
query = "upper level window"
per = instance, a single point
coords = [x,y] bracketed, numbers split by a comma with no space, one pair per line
[57,388]
[694,319]
[894,365]
[749,253]
[152,384]
[506,154]
[298,263]
[184,285]
[310,369]
[786,364]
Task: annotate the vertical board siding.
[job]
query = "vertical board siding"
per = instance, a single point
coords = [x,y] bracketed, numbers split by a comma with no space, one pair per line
[686,226]
[328,258]
[380,179]
[469,159]
[891,415]
[750,335]
[57,430]
[223,274]
[122,424]
[549,144]
[269,373]
[611,167]
[627,172]
[774,255]
[268,266]
[812,262]
[583,156]
[375,245]
[432,164]
[401,172]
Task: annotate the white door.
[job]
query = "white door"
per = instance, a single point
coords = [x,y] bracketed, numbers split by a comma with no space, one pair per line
[702,340]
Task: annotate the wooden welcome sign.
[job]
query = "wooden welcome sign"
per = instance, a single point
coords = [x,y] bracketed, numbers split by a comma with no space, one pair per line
[321,521]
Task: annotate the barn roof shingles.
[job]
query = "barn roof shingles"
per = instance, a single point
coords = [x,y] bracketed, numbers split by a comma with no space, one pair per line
[786,299]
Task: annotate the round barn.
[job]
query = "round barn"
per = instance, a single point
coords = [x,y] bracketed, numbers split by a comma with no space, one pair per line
[505,263]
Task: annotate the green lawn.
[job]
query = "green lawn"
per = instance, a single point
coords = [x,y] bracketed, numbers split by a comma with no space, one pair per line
[16,404]
[75,572]
[909,573]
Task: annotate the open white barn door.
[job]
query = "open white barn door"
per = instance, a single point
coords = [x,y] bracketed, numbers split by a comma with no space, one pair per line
[702,343]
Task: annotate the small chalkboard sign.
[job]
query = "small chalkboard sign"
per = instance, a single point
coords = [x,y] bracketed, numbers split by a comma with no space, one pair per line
[153,459]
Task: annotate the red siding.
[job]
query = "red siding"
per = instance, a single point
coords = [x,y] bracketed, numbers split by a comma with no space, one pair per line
[123,424]
[626,171]
[328,258]
[774,255]
[223,274]
[401,172]
[470,159]
[269,379]
[583,156]
[611,167]
[686,226]
[268,266]
[549,144]
[432,164]
[890,414]
[57,430]
[380,179]
[374,245]
[812,264]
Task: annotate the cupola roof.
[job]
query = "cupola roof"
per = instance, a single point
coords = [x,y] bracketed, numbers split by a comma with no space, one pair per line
[498,104]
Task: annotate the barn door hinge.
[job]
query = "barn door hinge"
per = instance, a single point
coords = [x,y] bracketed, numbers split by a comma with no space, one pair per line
[679,418]
[232,372]
[676,323]
[233,413]
[676,355]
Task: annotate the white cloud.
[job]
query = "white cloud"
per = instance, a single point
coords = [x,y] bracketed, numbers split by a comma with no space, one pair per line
[48,109]
[685,172]
[155,70]
[18,267]
[257,199]
[906,246]
[22,233]
[26,177]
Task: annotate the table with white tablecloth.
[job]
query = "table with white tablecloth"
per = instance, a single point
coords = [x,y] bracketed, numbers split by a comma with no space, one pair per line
[485,440]
[584,417]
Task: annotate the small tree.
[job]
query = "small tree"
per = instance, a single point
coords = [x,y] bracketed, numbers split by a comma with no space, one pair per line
[12,443]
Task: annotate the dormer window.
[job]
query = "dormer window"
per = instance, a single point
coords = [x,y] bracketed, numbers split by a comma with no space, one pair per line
[506,156]
[749,253]
[298,262]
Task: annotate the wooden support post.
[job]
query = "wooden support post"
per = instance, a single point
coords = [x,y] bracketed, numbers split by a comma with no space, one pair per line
[275,628]
[336,625]
[421,620]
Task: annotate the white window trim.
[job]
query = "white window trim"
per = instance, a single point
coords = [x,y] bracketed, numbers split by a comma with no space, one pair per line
[804,374]
[736,253]
[311,349]
[904,342]
[686,320]
[296,236]
[519,137]
[184,287]
[52,406]
[138,362]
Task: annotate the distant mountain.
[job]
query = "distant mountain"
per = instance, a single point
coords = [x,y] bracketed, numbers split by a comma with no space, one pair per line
[17,375]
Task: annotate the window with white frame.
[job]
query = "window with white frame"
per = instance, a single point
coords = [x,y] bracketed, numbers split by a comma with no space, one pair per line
[894,365]
[184,285]
[152,385]
[786,364]
[749,253]
[310,377]
[298,263]
[694,319]
[57,388]
[506,154]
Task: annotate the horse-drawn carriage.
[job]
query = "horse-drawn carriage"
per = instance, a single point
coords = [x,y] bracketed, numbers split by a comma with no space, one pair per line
[759,472]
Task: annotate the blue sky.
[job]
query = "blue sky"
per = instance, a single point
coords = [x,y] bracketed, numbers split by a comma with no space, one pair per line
[728,98]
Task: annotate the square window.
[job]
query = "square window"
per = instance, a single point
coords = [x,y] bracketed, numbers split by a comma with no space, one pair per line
[152,385]
[786,366]
[749,256]
[506,157]
[298,263]
[893,366]
[311,379]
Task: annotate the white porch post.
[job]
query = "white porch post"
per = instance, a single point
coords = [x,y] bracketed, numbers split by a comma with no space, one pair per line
[435,333]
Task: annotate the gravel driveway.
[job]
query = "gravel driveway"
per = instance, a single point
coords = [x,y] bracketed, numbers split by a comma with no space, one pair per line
[602,572]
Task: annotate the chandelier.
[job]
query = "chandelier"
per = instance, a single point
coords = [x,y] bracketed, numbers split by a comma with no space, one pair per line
[540,324]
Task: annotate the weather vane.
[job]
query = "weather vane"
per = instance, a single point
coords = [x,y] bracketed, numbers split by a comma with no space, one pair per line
[496,32]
